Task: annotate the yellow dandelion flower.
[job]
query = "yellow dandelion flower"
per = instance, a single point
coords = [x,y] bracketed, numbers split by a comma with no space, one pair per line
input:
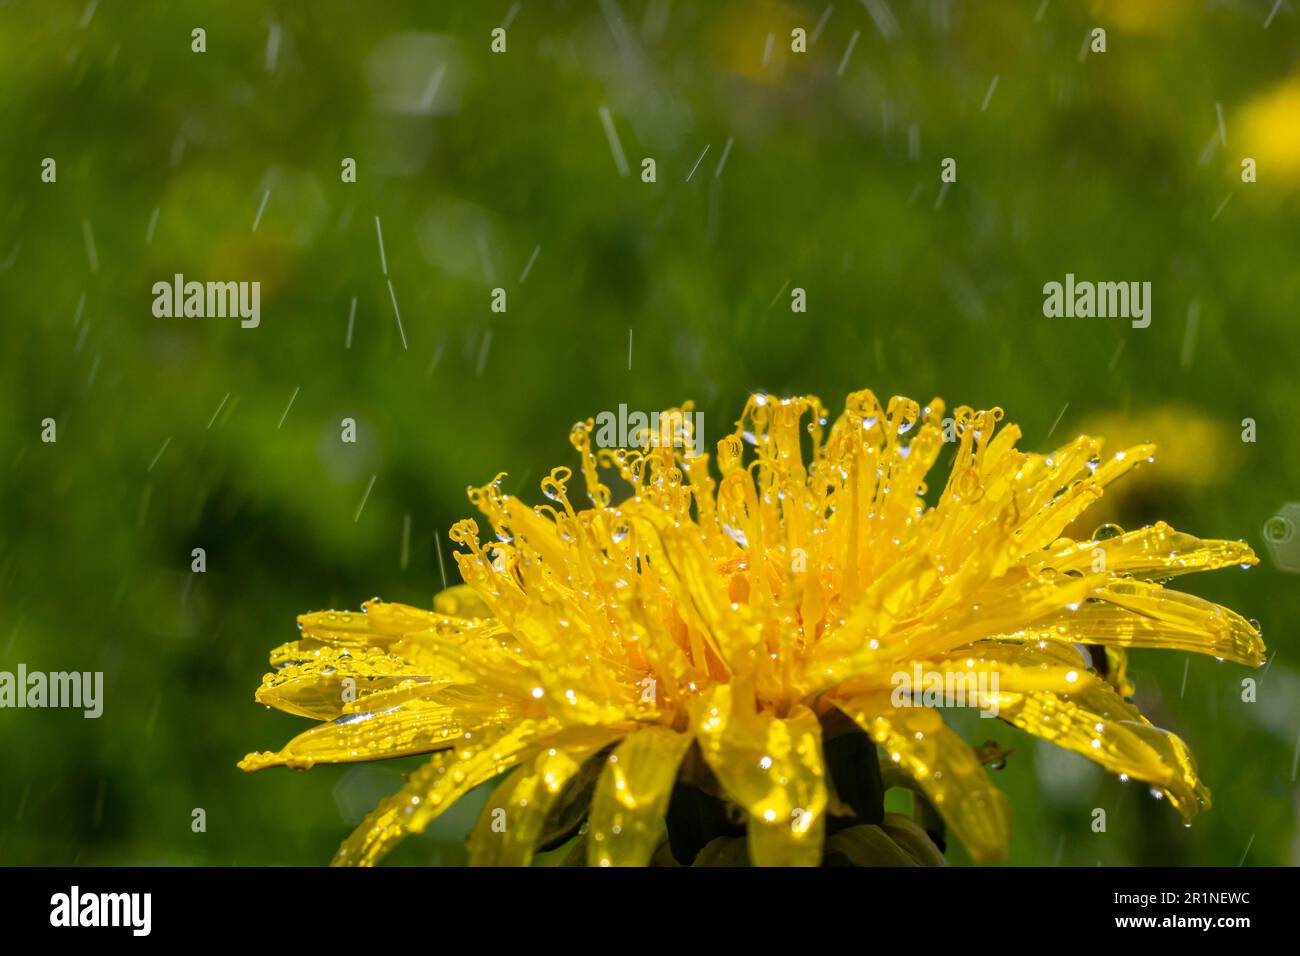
[722,634]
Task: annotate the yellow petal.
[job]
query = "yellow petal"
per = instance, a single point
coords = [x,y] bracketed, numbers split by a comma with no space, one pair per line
[318,680]
[1046,525]
[417,726]
[770,766]
[1140,614]
[1157,551]
[683,563]
[515,814]
[631,799]
[435,787]
[1039,478]
[411,634]
[1103,727]
[944,767]
[984,669]
[1002,607]
[378,623]
[1064,668]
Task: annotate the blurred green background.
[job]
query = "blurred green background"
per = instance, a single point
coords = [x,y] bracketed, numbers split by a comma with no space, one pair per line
[173,433]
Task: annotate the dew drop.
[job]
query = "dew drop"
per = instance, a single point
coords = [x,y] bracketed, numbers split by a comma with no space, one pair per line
[1106,532]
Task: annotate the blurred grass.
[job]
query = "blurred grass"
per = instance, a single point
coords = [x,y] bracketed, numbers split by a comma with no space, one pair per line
[1088,165]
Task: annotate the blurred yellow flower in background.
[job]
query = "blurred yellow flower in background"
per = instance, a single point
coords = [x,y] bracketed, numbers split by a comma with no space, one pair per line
[1139,16]
[741,36]
[1268,131]
[1196,452]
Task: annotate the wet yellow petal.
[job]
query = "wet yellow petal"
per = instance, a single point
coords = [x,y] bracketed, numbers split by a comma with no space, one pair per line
[631,799]
[1014,599]
[515,814]
[945,768]
[319,680]
[1046,525]
[411,634]
[687,568]
[422,725]
[1103,727]
[1139,614]
[1040,478]
[975,674]
[770,766]
[1156,552]
[435,787]
[378,623]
